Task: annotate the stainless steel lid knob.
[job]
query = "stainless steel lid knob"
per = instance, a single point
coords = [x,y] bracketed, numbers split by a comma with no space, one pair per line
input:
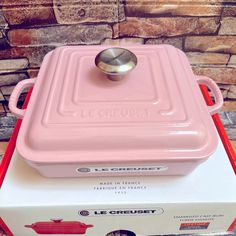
[116,62]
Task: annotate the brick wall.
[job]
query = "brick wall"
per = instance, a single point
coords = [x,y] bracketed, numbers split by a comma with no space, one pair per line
[204,29]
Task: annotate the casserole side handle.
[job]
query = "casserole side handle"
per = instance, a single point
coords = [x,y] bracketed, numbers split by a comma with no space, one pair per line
[215,91]
[16,94]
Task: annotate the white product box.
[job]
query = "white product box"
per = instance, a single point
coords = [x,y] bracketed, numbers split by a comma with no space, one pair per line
[202,202]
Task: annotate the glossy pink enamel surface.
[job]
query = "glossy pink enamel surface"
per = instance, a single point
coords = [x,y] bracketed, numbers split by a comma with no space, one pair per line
[156,114]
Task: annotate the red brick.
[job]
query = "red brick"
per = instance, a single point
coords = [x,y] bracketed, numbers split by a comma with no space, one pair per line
[28,12]
[232,61]
[220,75]
[2,99]
[12,78]
[60,35]
[197,58]
[226,44]
[166,26]
[228,26]
[12,65]
[174,8]
[3,147]
[229,10]
[124,41]
[3,22]
[35,55]
[7,90]
[80,12]
[33,72]
[229,106]
[176,41]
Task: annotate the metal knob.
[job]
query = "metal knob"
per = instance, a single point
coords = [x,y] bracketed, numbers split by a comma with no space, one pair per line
[116,62]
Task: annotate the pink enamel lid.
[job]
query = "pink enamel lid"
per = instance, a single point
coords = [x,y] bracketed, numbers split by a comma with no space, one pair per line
[156,112]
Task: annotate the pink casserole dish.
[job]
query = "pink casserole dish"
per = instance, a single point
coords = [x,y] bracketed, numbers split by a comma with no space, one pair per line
[154,121]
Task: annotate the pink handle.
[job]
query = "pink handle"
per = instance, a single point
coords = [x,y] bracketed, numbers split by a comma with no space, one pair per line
[16,94]
[219,101]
